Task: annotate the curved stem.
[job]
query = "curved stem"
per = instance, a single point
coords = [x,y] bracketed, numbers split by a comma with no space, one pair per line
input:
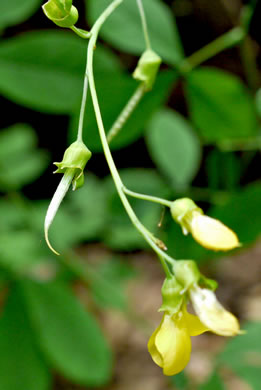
[81,33]
[126,112]
[115,175]
[144,24]
[150,198]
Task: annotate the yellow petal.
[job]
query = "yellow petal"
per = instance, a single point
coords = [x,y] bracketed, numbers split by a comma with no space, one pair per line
[212,313]
[193,324]
[156,357]
[173,343]
[213,234]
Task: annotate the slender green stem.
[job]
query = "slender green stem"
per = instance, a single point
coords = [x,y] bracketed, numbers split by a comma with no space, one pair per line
[227,40]
[126,112]
[150,198]
[249,63]
[82,33]
[83,106]
[115,175]
[144,24]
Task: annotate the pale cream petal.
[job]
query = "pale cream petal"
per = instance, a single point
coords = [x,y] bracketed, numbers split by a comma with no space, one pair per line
[174,345]
[213,234]
[212,313]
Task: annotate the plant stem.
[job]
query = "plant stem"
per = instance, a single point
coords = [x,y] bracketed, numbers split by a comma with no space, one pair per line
[126,112]
[83,106]
[226,41]
[150,198]
[114,172]
[144,24]
[82,33]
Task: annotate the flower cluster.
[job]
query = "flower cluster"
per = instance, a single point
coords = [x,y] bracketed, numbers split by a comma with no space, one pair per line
[170,344]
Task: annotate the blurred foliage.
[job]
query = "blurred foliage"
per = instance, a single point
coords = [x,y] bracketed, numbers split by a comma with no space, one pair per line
[207,154]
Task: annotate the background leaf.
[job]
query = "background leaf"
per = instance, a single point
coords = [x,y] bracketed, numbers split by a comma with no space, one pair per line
[44,70]
[20,360]
[174,147]
[220,105]
[67,334]
[16,11]
[126,19]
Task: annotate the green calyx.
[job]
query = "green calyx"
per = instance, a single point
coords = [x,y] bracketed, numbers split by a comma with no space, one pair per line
[172,296]
[75,157]
[187,273]
[182,211]
[61,12]
[147,68]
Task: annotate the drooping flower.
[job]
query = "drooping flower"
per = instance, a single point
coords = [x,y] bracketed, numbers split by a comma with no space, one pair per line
[207,231]
[212,314]
[170,344]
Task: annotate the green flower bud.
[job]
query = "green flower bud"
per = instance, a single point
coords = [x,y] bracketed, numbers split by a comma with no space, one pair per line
[75,157]
[182,211]
[147,68]
[210,284]
[172,297]
[61,12]
[186,272]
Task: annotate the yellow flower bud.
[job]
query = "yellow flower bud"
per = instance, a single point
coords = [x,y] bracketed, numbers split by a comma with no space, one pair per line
[212,314]
[170,344]
[207,231]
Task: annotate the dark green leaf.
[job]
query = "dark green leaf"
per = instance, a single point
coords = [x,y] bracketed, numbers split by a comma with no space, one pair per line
[174,147]
[243,355]
[16,11]
[44,70]
[220,105]
[112,103]
[126,19]
[242,213]
[68,335]
[213,383]
[22,366]
[20,162]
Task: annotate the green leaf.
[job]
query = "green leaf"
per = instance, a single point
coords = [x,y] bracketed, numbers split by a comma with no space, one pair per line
[174,147]
[16,11]
[123,28]
[44,70]
[120,233]
[68,335]
[180,381]
[107,282]
[239,205]
[20,162]
[22,365]
[243,355]
[112,103]
[213,383]
[19,250]
[221,107]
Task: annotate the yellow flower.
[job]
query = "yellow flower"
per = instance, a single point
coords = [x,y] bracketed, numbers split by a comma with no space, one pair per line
[212,313]
[170,344]
[212,234]
[207,231]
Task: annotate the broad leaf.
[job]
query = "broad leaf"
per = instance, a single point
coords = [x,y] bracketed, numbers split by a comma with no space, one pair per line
[16,11]
[68,335]
[220,105]
[44,70]
[22,366]
[174,147]
[123,28]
